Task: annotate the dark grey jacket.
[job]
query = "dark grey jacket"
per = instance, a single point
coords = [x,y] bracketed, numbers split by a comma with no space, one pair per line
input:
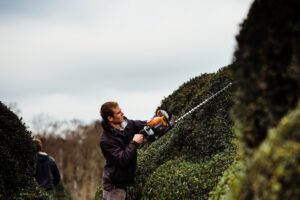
[120,153]
[47,174]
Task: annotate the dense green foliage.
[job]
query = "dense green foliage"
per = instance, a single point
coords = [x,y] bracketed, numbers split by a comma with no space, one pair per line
[267,121]
[16,158]
[188,161]
[32,193]
[229,185]
[179,179]
[273,170]
[277,162]
[267,59]
[99,193]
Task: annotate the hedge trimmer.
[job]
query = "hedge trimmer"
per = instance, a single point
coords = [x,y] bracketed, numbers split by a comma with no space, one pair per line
[163,121]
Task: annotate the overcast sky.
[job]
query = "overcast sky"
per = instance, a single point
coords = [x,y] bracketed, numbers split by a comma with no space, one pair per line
[64,58]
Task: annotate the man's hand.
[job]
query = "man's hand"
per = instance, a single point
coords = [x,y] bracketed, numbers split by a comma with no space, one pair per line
[138,138]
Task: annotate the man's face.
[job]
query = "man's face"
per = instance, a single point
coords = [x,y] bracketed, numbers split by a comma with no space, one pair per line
[118,116]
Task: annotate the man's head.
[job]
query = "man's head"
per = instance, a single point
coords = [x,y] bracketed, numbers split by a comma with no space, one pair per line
[38,144]
[111,113]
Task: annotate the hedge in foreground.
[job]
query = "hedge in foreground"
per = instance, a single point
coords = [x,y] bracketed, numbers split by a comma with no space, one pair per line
[179,179]
[273,172]
[226,185]
[268,60]
[277,162]
[17,159]
[267,69]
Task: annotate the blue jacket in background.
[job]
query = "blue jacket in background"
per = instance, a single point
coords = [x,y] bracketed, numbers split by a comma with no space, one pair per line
[47,174]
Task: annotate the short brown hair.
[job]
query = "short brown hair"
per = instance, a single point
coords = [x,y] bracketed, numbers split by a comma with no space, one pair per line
[106,109]
[38,144]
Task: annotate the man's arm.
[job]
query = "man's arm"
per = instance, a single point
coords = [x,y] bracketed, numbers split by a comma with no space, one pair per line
[139,125]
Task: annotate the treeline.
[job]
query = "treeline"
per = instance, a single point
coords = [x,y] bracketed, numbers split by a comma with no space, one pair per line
[78,157]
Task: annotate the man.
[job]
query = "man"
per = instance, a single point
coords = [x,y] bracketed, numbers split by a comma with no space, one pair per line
[47,174]
[119,143]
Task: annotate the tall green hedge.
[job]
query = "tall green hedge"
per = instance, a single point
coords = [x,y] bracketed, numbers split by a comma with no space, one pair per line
[194,141]
[267,59]
[265,115]
[272,172]
[277,162]
[16,158]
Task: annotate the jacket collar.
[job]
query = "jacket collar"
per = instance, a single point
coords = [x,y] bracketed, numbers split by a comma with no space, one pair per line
[107,127]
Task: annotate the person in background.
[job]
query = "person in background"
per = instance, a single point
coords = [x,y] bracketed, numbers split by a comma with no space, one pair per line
[47,174]
[119,143]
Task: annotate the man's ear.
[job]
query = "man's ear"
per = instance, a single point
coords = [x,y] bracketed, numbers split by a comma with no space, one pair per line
[110,118]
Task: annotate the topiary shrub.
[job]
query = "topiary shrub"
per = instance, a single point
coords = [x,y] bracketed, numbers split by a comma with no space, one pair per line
[267,59]
[198,138]
[179,179]
[17,159]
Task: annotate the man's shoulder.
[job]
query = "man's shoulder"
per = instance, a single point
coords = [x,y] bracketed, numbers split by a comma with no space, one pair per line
[51,159]
[43,157]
